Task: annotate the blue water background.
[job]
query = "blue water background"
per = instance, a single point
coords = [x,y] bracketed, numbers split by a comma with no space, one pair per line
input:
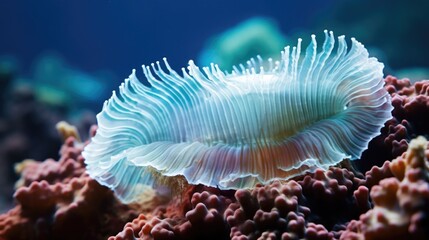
[121,35]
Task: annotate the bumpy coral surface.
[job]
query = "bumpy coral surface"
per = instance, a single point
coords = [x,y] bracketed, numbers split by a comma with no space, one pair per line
[273,212]
[197,214]
[391,200]
[58,200]
[410,119]
[401,203]
[27,128]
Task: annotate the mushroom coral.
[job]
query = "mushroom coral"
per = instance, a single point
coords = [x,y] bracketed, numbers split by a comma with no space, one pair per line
[267,121]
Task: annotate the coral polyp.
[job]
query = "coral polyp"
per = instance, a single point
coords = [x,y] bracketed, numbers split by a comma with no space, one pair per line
[264,121]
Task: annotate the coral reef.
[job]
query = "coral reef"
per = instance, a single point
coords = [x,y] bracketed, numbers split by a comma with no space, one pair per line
[410,118]
[198,214]
[322,205]
[401,203]
[53,198]
[274,212]
[26,130]
[27,125]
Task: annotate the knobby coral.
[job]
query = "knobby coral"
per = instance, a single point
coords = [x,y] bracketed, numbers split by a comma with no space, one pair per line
[281,210]
[55,198]
[322,205]
[401,203]
[271,120]
[410,118]
[198,214]
[58,200]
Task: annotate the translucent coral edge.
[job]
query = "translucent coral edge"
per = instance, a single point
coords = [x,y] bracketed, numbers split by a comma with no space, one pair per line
[159,129]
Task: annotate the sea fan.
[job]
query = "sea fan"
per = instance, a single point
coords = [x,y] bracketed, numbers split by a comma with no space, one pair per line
[269,120]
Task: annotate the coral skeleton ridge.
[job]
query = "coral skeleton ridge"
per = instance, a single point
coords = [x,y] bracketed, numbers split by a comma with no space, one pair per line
[266,121]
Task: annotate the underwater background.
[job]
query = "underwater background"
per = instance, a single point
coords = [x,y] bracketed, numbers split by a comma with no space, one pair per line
[60,60]
[103,40]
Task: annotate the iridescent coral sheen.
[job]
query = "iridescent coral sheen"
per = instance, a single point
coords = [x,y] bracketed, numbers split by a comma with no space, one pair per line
[267,121]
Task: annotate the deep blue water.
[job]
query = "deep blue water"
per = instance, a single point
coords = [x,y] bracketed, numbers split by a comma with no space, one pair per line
[121,35]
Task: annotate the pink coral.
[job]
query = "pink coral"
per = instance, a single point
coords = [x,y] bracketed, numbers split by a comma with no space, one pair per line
[410,118]
[375,174]
[334,196]
[70,165]
[272,212]
[392,199]
[198,214]
[55,198]
[401,203]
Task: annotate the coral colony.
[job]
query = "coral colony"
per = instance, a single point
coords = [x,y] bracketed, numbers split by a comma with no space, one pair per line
[253,154]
